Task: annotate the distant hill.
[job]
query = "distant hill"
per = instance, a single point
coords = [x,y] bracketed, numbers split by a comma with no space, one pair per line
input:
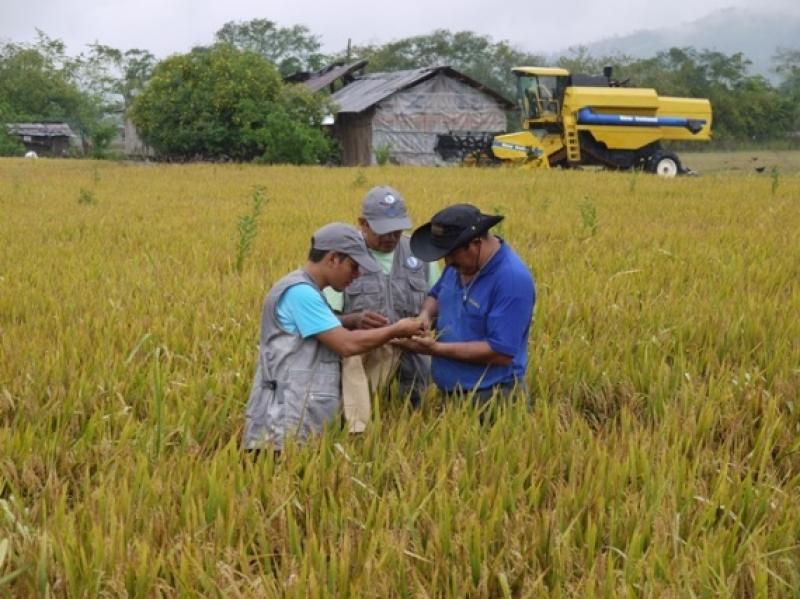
[755,34]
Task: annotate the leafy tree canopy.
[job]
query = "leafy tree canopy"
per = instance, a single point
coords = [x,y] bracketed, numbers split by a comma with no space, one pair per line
[223,103]
[787,66]
[37,82]
[475,55]
[111,73]
[40,82]
[290,49]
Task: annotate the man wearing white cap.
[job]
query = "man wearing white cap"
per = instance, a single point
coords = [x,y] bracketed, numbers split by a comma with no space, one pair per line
[375,299]
[296,389]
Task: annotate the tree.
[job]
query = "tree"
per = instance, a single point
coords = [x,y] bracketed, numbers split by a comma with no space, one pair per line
[787,66]
[290,49]
[111,78]
[475,55]
[223,103]
[36,82]
[579,60]
[109,72]
[9,144]
[40,82]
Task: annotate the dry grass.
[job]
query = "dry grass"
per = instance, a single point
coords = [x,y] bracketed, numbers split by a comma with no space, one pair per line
[660,458]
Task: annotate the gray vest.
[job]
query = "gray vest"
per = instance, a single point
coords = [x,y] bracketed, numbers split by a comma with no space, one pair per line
[297,388]
[397,295]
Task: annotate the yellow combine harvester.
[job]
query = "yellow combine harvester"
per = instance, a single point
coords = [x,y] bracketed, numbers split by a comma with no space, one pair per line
[575,120]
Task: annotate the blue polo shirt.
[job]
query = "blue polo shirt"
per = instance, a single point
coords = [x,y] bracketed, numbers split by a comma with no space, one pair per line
[497,307]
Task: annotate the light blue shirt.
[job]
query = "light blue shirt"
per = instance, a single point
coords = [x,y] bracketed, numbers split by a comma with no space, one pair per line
[302,310]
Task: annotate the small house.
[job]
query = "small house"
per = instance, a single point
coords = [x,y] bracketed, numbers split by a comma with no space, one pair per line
[46,139]
[401,114]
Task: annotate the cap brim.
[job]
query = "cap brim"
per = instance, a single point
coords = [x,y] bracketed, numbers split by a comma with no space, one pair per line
[382,226]
[366,262]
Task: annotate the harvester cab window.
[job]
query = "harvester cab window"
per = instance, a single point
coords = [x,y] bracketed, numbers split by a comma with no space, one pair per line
[538,96]
[528,92]
[548,96]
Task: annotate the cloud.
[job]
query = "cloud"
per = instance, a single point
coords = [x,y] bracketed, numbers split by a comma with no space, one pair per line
[169,26]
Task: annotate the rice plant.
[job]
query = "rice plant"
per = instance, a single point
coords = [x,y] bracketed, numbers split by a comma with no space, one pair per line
[660,456]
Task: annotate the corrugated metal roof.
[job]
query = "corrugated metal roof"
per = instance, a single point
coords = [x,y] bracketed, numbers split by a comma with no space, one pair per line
[368,90]
[321,79]
[40,129]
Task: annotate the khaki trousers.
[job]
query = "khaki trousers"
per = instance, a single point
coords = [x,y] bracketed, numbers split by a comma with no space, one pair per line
[360,375]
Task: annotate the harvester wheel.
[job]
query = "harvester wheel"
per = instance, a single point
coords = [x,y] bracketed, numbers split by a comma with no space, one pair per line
[666,165]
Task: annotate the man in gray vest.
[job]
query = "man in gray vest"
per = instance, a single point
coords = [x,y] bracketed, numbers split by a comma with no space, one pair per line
[375,299]
[296,389]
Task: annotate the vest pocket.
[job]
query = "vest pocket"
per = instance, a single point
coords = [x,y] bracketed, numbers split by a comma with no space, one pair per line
[364,294]
[412,296]
[418,284]
[312,399]
[262,418]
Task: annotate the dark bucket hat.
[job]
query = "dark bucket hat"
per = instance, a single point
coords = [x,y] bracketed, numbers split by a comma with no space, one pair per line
[449,229]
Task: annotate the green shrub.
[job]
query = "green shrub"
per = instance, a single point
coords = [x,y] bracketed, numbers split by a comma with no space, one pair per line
[224,104]
[9,144]
[382,154]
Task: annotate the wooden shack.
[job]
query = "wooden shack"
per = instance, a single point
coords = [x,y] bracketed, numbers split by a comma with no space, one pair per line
[401,114]
[46,139]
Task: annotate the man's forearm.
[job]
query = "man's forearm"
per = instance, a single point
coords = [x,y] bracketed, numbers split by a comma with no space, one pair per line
[364,340]
[476,352]
[352,343]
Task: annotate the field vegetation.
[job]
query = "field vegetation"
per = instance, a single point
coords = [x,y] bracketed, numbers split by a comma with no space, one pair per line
[755,161]
[661,456]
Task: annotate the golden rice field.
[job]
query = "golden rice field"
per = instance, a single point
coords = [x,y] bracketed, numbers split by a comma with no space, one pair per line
[661,457]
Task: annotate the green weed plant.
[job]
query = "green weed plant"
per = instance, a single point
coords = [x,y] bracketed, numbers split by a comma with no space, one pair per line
[247,227]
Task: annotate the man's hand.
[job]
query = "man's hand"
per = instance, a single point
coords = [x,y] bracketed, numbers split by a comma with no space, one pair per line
[407,327]
[418,344]
[371,320]
[363,320]
[429,310]
[426,321]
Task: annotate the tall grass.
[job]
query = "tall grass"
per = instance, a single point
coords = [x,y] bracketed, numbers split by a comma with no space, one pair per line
[661,456]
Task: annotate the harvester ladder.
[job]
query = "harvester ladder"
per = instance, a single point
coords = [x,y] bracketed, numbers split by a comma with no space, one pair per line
[571,139]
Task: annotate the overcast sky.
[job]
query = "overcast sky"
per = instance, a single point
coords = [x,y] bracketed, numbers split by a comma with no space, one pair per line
[168,26]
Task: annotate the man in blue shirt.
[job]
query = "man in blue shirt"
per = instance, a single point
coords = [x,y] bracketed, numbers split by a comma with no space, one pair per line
[483,305]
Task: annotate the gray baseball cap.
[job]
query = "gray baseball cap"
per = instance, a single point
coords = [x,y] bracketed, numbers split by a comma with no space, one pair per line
[340,237]
[385,210]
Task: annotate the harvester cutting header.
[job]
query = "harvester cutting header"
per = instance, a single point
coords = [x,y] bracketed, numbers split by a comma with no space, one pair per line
[573,120]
